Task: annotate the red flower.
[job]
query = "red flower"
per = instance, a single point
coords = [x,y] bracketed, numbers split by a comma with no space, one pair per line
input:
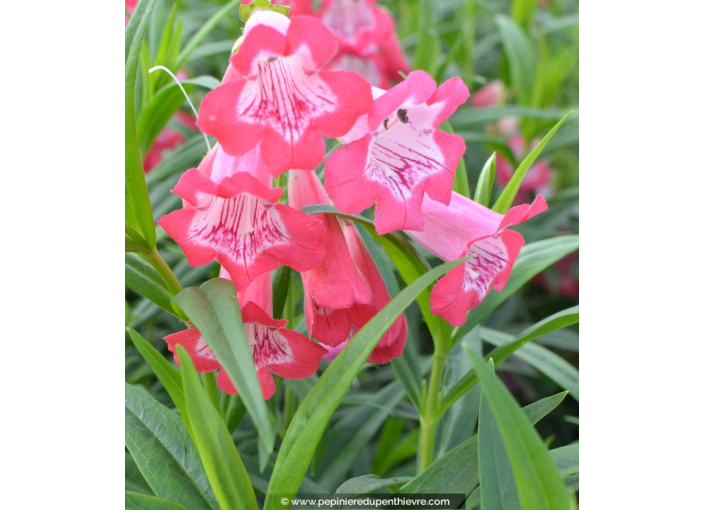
[283,351]
[468,228]
[399,155]
[344,291]
[232,215]
[277,95]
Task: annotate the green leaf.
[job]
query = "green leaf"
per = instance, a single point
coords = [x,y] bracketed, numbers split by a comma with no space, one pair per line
[138,212]
[475,117]
[227,475]
[522,11]
[537,479]
[549,363]
[566,459]
[500,354]
[214,310]
[499,491]
[204,30]
[167,374]
[163,106]
[141,277]
[485,184]
[134,481]
[427,54]
[457,471]
[162,449]
[505,200]
[136,501]
[520,55]
[534,258]
[280,290]
[356,431]
[369,483]
[315,411]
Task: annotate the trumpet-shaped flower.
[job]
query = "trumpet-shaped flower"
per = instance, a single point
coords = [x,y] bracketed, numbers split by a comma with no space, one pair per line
[344,291]
[357,24]
[398,155]
[232,216]
[274,348]
[468,228]
[277,96]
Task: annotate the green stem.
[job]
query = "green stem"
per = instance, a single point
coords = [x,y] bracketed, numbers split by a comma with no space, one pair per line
[167,275]
[428,420]
[211,389]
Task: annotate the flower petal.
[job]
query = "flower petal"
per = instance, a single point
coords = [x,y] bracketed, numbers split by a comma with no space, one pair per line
[192,341]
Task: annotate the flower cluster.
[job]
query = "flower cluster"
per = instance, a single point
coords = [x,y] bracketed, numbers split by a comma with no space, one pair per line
[281,95]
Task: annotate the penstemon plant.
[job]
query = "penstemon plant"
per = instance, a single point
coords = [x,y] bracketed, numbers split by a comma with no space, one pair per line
[308,314]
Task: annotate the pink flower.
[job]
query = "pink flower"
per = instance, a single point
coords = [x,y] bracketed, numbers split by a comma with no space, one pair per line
[538,177]
[468,228]
[283,351]
[232,215]
[490,94]
[277,96]
[344,291]
[357,24]
[398,155]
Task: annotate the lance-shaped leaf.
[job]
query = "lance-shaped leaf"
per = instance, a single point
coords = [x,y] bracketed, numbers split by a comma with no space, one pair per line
[504,201]
[537,479]
[165,372]
[138,211]
[227,475]
[457,471]
[315,411]
[164,453]
[141,277]
[485,184]
[549,363]
[136,501]
[554,322]
[214,310]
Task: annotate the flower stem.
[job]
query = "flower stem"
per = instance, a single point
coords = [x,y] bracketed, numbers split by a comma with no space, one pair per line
[428,420]
[167,275]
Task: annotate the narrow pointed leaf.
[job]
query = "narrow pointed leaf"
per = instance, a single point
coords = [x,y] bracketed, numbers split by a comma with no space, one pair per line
[537,478]
[214,310]
[369,483]
[485,184]
[136,501]
[505,200]
[500,354]
[138,211]
[227,475]
[164,453]
[520,55]
[207,27]
[165,372]
[546,361]
[141,277]
[566,459]
[457,471]
[315,411]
